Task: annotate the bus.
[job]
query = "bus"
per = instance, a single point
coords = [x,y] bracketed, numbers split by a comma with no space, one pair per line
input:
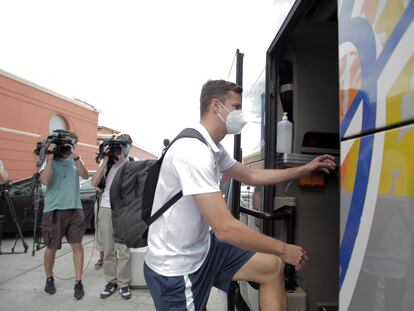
[344,73]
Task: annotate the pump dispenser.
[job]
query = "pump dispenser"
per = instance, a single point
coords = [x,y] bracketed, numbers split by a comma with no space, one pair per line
[284,135]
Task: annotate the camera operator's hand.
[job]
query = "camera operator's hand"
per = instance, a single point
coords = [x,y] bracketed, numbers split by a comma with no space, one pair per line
[106,156]
[97,177]
[73,154]
[83,172]
[50,150]
[46,173]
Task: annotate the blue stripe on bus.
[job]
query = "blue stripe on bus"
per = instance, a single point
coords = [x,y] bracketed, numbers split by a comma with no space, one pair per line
[371,70]
[395,37]
[351,112]
[357,204]
[359,32]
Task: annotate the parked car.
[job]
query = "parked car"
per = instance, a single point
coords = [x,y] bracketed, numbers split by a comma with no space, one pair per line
[21,193]
[88,200]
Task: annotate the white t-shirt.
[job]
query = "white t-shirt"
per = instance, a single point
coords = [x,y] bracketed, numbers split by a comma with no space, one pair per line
[105,200]
[178,241]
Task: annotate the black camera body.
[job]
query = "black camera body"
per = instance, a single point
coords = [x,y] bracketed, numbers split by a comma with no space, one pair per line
[114,150]
[64,142]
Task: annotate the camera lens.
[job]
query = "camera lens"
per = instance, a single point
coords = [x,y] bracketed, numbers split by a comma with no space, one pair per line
[65,149]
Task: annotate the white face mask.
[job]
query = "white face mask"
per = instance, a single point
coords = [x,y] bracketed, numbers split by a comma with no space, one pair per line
[126,149]
[235,121]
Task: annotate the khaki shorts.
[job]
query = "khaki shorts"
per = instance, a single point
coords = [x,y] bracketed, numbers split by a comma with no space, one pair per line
[59,223]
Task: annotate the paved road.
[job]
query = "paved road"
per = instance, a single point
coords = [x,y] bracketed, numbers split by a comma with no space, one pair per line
[22,281]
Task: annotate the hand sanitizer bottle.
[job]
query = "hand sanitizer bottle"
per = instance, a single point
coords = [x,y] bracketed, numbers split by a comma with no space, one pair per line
[284,135]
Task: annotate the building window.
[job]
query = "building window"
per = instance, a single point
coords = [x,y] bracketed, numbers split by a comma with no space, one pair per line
[56,123]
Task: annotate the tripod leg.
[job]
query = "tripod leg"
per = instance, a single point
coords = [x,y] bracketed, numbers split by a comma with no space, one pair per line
[1,231]
[15,242]
[14,216]
[21,226]
[37,194]
[34,231]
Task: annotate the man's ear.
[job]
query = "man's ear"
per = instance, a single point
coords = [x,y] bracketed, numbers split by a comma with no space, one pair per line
[215,105]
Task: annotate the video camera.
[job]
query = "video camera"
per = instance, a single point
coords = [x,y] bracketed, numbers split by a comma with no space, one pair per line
[64,142]
[114,150]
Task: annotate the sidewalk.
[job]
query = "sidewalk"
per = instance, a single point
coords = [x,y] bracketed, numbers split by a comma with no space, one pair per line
[22,281]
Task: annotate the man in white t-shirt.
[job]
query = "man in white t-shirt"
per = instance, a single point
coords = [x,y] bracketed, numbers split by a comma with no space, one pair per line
[116,261]
[185,259]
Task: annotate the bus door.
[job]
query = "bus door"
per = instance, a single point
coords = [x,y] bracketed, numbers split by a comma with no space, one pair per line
[301,78]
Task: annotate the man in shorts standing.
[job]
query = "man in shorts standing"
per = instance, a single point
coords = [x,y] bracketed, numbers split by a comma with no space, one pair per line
[185,259]
[63,213]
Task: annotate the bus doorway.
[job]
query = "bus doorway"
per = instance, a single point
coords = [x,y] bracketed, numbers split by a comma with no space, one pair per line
[301,78]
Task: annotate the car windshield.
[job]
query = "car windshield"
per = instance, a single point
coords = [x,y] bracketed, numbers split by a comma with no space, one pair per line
[86,183]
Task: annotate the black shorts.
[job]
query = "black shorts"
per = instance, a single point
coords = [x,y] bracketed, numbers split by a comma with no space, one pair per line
[191,292]
[59,223]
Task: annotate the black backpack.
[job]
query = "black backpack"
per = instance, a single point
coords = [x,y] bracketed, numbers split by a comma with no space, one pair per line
[132,195]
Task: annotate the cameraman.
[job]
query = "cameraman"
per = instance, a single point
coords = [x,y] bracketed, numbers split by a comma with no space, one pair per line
[63,213]
[3,174]
[116,268]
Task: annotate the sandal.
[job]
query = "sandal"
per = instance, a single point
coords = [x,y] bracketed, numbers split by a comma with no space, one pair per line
[98,264]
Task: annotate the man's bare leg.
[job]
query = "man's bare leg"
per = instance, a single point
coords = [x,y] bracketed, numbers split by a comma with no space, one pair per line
[267,270]
[49,261]
[78,259]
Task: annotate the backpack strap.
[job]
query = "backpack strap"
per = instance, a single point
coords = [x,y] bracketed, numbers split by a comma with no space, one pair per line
[166,206]
[186,133]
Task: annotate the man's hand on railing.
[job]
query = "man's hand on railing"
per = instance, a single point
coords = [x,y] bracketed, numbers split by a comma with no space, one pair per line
[294,255]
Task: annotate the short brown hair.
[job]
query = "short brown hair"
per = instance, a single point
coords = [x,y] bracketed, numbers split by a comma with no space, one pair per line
[125,137]
[216,89]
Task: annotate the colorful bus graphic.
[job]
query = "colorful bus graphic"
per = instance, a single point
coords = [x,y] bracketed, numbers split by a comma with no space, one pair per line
[344,71]
[377,154]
